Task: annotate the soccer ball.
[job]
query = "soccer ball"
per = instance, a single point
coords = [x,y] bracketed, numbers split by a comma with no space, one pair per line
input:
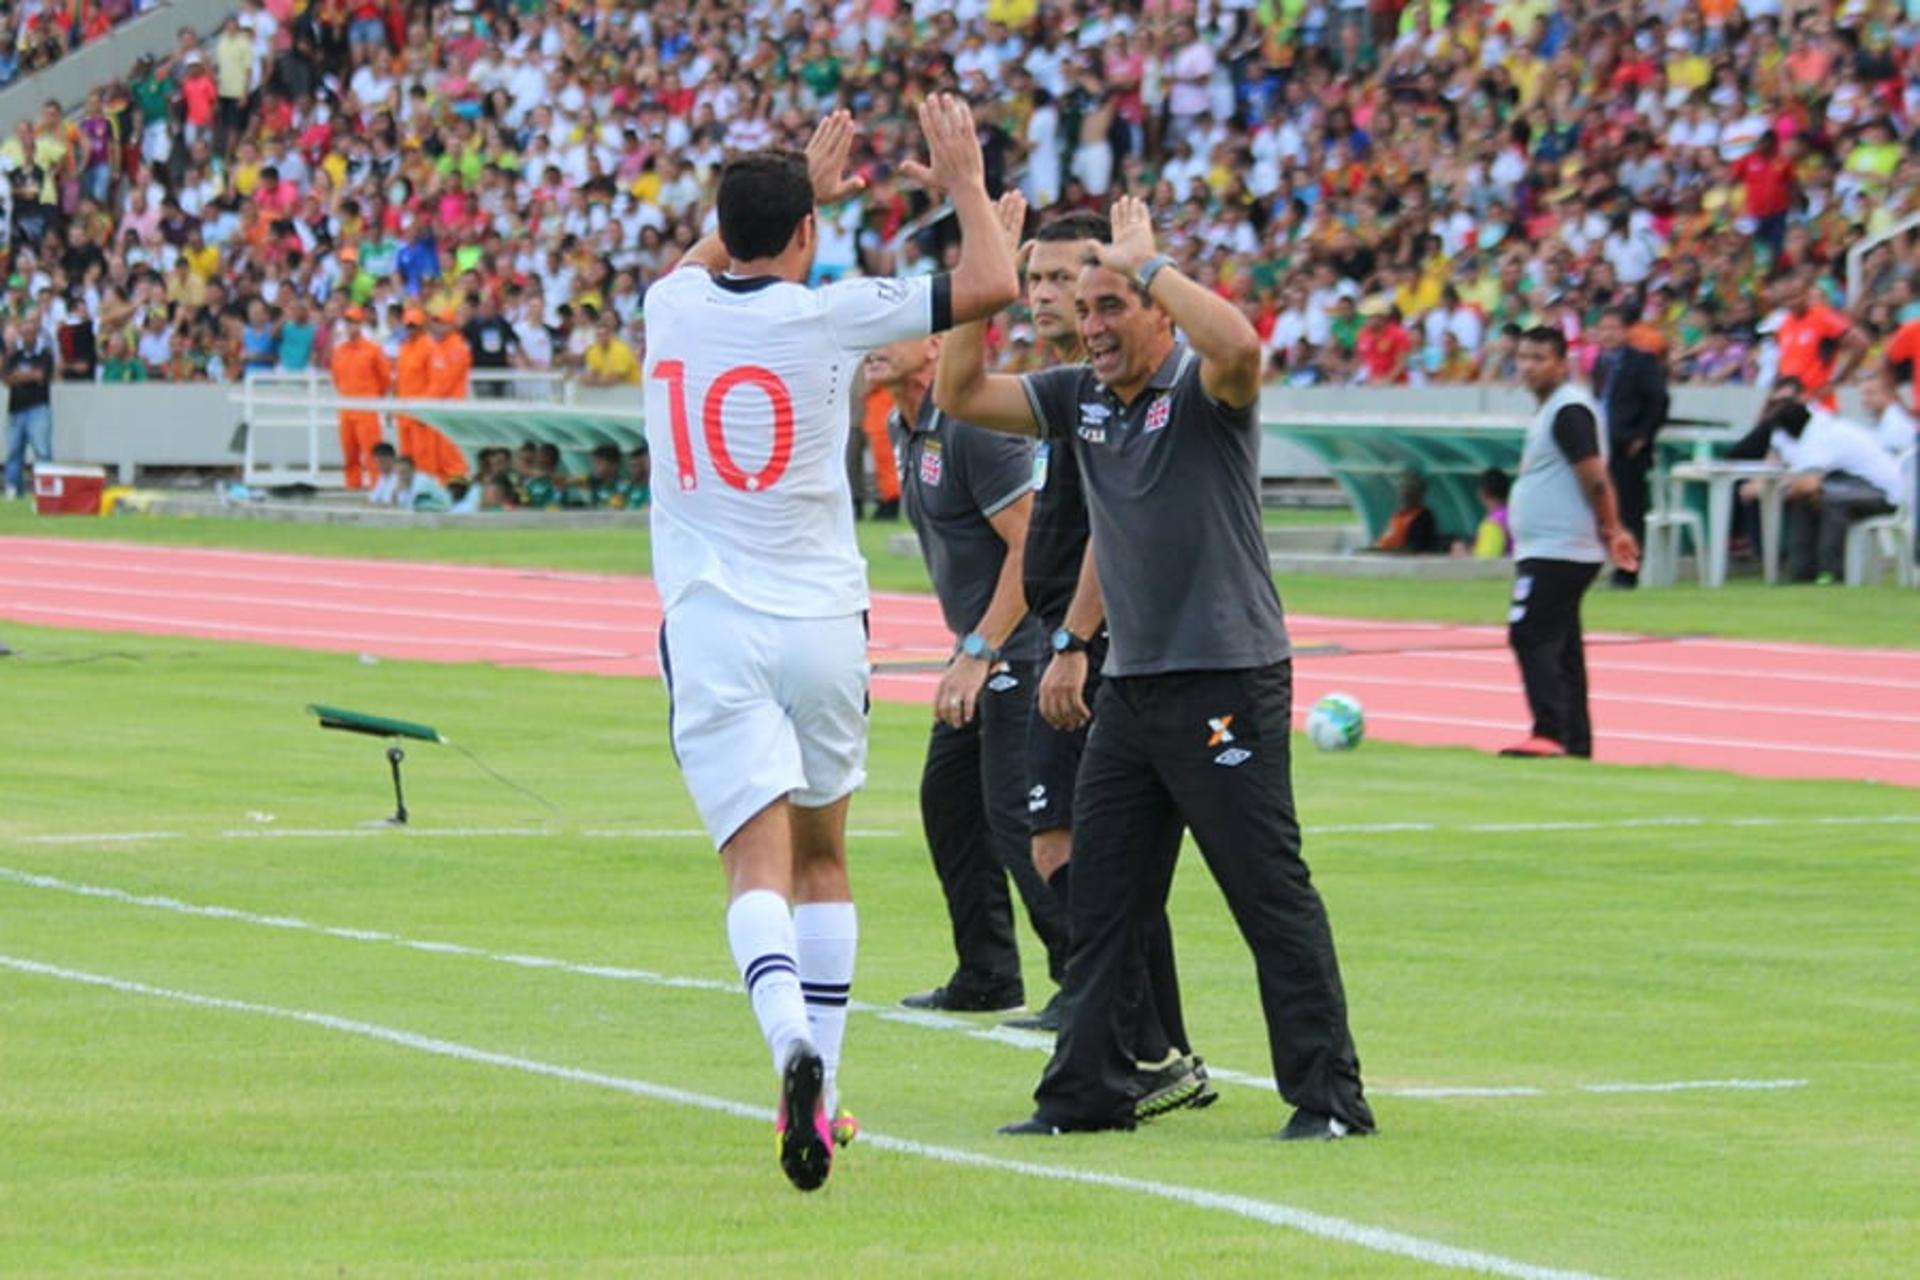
[1337,723]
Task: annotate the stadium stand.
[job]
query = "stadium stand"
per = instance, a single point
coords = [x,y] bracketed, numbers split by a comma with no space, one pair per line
[1389,190]
[35,34]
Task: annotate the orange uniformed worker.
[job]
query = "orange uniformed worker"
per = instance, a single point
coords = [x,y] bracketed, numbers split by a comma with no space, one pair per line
[452,361]
[413,378]
[360,369]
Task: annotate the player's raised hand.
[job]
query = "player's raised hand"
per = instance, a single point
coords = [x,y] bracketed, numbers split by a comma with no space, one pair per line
[1010,210]
[953,146]
[827,153]
[1132,246]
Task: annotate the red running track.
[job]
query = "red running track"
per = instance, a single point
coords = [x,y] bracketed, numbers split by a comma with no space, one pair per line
[1771,710]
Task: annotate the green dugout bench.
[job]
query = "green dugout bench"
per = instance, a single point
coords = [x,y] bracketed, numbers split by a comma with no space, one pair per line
[1368,452]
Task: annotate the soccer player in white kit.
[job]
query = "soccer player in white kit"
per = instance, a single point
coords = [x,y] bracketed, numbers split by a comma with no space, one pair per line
[764,641]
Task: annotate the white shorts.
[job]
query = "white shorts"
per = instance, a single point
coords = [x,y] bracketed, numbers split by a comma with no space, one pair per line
[763,707]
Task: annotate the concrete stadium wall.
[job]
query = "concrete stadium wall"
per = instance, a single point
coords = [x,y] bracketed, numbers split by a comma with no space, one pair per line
[69,80]
[130,427]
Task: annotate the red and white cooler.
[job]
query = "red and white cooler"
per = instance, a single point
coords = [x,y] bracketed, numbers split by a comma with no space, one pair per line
[68,491]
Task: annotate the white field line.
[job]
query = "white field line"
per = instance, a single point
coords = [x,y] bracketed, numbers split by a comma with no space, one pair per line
[1787,646]
[931,1021]
[859,833]
[1643,700]
[1306,1221]
[1663,739]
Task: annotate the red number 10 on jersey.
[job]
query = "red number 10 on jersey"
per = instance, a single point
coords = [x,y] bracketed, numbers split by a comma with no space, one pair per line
[740,377]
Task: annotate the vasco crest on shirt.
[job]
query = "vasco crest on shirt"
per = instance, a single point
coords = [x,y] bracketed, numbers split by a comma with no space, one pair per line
[1157,414]
[930,465]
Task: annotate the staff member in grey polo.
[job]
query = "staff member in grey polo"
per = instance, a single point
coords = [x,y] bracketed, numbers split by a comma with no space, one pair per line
[1565,523]
[969,495]
[1192,725]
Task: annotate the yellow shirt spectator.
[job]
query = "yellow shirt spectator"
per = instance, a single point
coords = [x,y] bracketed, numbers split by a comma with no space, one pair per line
[1017,14]
[205,261]
[611,362]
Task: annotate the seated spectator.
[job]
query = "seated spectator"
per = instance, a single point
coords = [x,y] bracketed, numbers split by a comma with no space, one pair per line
[415,490]
[1412,530]
[639,477]
[497,494]
[1841,475]
[386,478]
[1494,539]
[120,364]
[606,487]
[543,483]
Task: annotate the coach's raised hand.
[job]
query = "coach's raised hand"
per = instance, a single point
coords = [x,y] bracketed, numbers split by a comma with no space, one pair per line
[827,154]
[984,281]
[1132,246]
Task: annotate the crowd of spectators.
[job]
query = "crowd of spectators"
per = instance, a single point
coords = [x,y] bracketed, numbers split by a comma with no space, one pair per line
[1391,188]
[35,34]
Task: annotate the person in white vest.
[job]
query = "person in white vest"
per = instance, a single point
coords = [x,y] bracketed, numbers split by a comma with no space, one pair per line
[1566,525]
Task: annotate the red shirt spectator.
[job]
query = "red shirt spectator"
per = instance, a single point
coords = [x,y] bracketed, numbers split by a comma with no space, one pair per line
[1383,347]
[1768,177]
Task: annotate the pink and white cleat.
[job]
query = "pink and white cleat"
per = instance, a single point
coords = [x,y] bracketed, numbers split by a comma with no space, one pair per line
[804,1137]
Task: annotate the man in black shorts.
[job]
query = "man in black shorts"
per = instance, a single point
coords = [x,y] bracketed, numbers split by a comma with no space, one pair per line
[1064,591]
[968,493]
[1194,721]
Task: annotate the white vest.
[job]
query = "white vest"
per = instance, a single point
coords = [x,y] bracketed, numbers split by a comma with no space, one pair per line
[1548,512]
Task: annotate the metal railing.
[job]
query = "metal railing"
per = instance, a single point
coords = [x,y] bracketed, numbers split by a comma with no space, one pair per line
[1857,256]
[276,404]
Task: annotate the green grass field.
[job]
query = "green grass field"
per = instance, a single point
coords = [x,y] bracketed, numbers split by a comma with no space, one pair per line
[146,1135]
[1883,616]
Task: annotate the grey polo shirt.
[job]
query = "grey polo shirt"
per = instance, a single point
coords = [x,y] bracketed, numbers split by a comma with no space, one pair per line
[954,477]
[1173,490]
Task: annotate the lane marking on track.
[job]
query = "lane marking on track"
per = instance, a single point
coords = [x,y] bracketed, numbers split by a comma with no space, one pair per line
[202,626]
[1662,739]
[1604,663]
[1306,1221]
[924,1019]
[311,606]
[1646,700]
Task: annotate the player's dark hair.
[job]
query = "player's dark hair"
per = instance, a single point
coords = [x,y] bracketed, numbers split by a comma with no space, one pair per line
[1496,484]
[383,450]
[1545,335]
[607,451]
[1079,225]
[764,197]
[1791,417]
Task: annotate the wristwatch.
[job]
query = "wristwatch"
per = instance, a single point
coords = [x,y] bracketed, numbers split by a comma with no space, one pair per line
[975,645]
[1064,641]
[1149,269]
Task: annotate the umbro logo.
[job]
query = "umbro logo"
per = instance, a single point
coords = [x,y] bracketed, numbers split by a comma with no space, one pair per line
[1233,757]
[1004,681]
[1037,799]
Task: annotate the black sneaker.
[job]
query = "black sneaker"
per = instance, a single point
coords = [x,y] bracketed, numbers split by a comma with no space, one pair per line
[1038,1127]
[805,1138]
[889,510]
[1180,1083]
[1048,1019]
[1315,1126]
[956,999]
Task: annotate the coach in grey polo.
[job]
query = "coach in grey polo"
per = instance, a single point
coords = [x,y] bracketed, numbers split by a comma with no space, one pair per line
[1193,724]
[955,478]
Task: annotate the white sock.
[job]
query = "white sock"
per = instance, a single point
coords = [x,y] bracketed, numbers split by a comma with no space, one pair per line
[760,931]
[828,934]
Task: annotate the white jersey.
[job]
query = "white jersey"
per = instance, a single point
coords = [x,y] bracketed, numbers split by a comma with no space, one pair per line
[747,385]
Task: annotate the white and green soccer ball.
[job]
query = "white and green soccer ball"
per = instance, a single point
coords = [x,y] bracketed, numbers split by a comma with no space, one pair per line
[1337,723]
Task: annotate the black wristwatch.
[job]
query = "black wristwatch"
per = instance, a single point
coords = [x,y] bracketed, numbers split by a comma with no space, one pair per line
[1064,641]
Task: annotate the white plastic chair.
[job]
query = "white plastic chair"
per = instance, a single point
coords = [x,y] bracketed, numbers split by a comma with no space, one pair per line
[1873,542]
[1666,522]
